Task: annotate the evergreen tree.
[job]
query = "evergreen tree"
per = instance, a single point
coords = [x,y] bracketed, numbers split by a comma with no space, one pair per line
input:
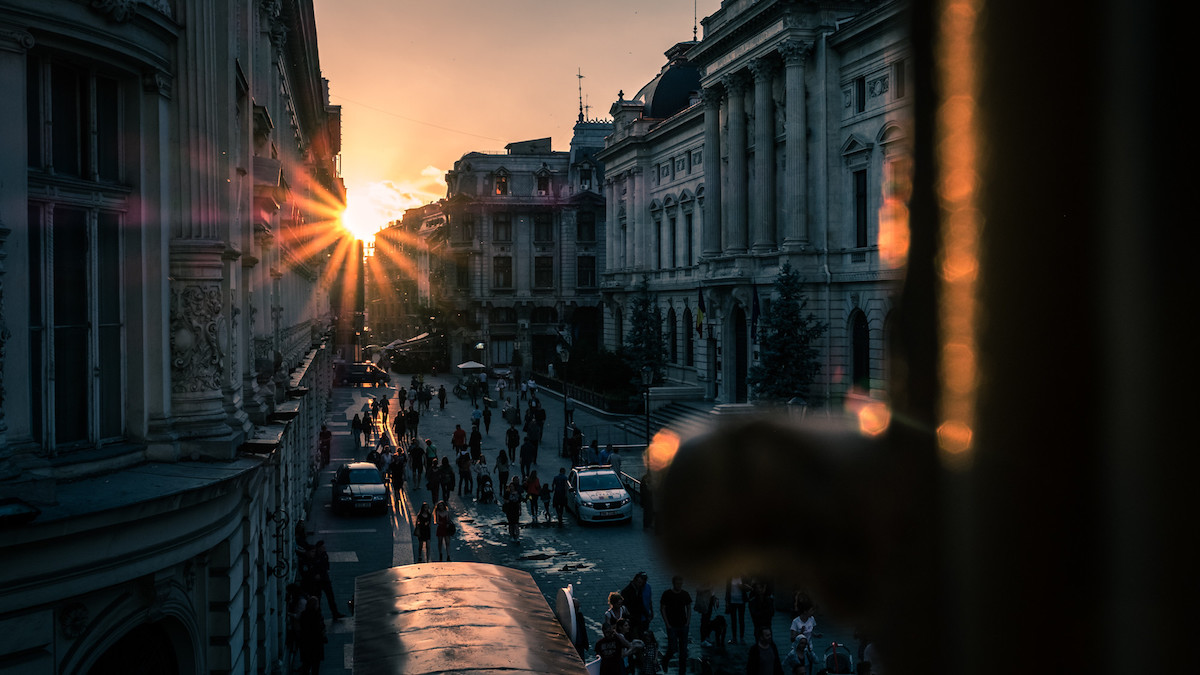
[787,350]
[644,344]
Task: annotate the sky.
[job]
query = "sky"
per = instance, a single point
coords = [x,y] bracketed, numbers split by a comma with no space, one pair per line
[421,83]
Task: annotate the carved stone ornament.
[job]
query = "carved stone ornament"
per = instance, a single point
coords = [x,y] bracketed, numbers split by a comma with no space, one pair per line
[124,10]
[878,86]
[711,97]
[735,83]
[15,39]
[73,620]
[157,82]
[762,69]
[196,326]
[795,52]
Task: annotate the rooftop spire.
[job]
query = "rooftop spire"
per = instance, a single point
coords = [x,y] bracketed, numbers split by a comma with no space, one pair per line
[579,75]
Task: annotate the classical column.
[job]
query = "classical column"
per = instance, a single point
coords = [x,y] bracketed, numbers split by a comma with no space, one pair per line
[710,238]
[735,234]
[630,223]
[795,226]
[636,217]
[763,218]
[197,315]
[611,229]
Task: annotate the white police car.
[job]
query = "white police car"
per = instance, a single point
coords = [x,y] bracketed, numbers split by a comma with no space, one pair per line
[595,494]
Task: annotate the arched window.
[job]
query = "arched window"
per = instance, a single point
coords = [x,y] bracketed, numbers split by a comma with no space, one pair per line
[672,337]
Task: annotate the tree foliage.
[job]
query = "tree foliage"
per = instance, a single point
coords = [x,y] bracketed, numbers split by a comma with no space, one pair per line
[644,343]
[789,360]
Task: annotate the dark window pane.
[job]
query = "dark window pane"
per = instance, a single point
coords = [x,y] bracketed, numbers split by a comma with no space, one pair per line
[111,397]
[69,252]
[66,105]
[71,381]
[37,333]
[543,271]
[860,208]
[108,274]
[108,129]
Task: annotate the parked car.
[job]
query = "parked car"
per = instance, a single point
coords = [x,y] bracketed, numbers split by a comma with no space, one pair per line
[595,493]
[361,373]
[358,486]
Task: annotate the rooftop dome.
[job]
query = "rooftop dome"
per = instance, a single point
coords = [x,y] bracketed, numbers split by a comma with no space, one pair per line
[671,90]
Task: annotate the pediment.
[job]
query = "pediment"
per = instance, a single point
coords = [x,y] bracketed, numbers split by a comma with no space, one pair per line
[855,144]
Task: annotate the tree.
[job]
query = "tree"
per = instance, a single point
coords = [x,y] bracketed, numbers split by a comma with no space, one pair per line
[788,355]
[644,344]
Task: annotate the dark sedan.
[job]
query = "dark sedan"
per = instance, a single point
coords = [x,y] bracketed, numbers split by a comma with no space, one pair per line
[358,486]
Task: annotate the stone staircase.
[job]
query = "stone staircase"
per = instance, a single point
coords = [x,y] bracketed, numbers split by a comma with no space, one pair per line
[685,418]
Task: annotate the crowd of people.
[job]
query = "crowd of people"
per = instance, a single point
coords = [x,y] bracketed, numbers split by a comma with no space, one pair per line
[629,643]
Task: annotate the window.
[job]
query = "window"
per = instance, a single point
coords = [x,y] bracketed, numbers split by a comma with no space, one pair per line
[501,184]
[502,272]
[671,242]
[898,76]
[658,232]
[76,314]
[860,94]
[543,227]
[672,335]
[585,179]
[543,271]
[689,326]
[462,272]
[502,227]
[690,236]
[466,227]
[586,267]
[585,226]
[543,183]
[503,315]
[502,349]
[860,208]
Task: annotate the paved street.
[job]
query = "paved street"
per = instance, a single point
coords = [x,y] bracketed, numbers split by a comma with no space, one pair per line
[595,559]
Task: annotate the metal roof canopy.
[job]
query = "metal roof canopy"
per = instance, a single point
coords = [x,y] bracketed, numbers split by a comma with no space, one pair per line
[456,617]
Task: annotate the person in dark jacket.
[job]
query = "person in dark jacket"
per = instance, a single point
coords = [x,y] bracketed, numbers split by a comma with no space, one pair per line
[312,638]
[763,658]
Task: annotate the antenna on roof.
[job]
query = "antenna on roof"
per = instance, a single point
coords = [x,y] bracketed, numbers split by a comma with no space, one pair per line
[579,74]
[588,107]
[694,22]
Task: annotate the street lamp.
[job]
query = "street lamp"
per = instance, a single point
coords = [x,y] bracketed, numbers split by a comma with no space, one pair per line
[647,380]
[564,355]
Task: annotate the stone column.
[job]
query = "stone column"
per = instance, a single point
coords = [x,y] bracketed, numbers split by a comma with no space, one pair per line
[710,238]
[735,234]
[14,43]
[635,220]
[611,229]
[763,218]
[795,226]
[197,307]
[628,236]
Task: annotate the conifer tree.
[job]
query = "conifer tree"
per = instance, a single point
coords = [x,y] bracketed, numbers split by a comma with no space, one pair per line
[789,359]
[644,343]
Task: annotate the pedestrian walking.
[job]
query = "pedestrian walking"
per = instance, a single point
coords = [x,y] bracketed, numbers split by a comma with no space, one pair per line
[487,421]
[502,470]
[383,406]
[533,491]
[512,438]
[559,489]
[675,606]
[445,529]
[431,456]
[475,443]
[325,440]
[760,605]
[400,429]
[422,527]
[368,429]
[616,609]
[512,507]
[639,613]
[413,419]
[416,460]
[527,450]
[737,592]
[446,476]
[614,458]
[311,637]
[465,480]
[320,577]
[397,469]
[612,649]
[706,606]
[442,397]
[356,429]
[524,391]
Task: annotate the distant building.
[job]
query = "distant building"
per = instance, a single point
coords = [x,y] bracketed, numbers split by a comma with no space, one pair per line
[828,79]
[524,246]
[162,328]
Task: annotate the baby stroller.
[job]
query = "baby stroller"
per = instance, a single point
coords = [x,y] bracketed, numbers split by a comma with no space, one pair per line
[838,659]
[487,494]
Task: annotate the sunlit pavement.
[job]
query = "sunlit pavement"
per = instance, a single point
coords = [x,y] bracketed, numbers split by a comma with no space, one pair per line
[595,559]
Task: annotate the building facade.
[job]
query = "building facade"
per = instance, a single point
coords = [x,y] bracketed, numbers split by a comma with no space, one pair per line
[166,172]
[524,247]
[780,137]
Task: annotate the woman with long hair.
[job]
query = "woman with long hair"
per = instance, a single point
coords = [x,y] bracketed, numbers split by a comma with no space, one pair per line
[445,530]
[421,530]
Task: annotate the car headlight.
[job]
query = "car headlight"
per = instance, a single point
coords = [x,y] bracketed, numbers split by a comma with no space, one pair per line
[624,501]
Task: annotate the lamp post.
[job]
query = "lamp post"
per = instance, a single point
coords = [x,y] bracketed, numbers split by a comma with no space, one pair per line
[647,380]
[564,355]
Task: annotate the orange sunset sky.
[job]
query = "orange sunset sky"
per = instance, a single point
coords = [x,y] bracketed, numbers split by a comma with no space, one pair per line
[422,83]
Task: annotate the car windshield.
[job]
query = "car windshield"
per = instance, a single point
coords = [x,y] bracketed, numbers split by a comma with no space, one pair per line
[359,476]
[599,481]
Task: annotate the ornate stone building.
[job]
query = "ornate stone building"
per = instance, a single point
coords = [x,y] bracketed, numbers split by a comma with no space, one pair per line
[166,170]
[524,247]
[782,136]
